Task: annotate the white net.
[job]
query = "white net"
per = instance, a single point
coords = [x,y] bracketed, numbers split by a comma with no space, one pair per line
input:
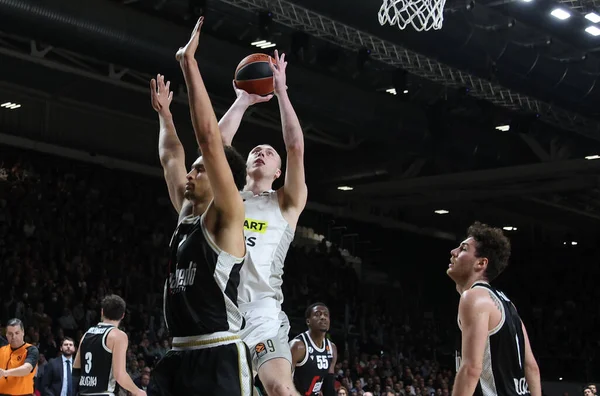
[421,14]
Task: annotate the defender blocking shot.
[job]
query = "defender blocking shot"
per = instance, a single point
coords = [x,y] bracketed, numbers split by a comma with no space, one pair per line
[207,251]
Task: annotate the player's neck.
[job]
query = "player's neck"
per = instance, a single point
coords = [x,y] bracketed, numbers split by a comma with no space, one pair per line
[258,186]
[111,322]
[468,283]
[317,337]
[199,208]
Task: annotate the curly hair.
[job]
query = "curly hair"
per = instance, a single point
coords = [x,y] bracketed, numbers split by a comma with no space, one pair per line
[237,163]
[492,244]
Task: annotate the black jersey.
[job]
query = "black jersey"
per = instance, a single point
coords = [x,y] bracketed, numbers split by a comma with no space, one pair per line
[96,362]
[503,371]
[200,295]
[312,370]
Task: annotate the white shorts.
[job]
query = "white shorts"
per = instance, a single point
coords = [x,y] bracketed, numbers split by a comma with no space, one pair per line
[267,334]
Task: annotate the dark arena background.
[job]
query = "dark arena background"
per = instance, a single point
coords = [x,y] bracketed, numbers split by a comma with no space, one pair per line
[410,137]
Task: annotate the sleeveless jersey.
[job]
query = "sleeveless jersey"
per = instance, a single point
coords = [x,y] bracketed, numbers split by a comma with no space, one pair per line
[200,293]
[503,371]
[96,362]
[268,238]
[310,373]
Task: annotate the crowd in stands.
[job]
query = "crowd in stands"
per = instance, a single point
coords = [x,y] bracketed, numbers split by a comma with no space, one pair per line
[72,233]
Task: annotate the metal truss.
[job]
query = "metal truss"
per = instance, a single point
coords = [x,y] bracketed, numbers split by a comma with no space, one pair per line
[581,5]
[322,27]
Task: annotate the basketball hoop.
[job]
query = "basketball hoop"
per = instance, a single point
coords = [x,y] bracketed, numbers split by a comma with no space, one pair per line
[421,14]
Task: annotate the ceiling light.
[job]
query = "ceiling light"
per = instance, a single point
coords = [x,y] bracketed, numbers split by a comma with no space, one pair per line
[560,378]
[263,44]
[592,16]
[526,1]
[345,188]
[441,211]
[574,243]
[560,14]
[405,91]
[503,128]
[391,91]
[593,30]
[592,157]
[10,105]
[509,228]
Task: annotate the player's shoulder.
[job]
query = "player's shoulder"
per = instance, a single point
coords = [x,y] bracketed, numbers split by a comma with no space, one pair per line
[476,297]
[298,343]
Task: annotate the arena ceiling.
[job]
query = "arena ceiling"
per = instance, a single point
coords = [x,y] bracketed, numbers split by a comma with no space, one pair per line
[80,71]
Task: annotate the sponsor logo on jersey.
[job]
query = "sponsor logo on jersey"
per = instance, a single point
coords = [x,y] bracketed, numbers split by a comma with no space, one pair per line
[250,242]
[521,386]
[260,349]
[88,381]
[182,278]
[253,225]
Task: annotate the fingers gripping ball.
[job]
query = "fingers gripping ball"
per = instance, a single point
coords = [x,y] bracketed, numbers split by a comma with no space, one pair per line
[254,75]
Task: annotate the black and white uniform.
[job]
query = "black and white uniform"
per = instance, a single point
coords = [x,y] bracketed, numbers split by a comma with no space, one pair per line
[504,355]
[96,362]
[310,373]
[200,308]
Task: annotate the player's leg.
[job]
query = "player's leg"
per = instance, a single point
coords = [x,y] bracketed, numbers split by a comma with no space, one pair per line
[163,375]
[273,360]
[276,377]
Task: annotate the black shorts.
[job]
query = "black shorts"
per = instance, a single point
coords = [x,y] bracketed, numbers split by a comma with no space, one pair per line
[219,371]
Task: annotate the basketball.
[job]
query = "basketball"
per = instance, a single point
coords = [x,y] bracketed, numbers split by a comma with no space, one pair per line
[254,75]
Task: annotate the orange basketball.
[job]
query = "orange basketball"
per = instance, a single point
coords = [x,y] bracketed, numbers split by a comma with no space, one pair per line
[254,75]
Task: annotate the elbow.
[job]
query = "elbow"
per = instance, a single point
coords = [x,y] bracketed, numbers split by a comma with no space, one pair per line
[472,370]
[295,148]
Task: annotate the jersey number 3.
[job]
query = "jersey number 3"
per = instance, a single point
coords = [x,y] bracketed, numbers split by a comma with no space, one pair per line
[322,363]
[88,362]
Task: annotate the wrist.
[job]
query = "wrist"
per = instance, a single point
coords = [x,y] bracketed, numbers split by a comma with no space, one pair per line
[188,61]
[243,101]
[165,114]
[281,93]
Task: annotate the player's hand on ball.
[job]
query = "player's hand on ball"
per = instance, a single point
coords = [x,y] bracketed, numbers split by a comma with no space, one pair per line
[250,99]
[160,94]
[190,48]
[279,78]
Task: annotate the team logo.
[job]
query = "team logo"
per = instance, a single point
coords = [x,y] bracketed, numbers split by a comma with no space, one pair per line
[253,225]
[19,358]
[260,349]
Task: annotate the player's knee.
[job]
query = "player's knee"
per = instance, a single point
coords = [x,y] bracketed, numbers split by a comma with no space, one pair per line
[280,388]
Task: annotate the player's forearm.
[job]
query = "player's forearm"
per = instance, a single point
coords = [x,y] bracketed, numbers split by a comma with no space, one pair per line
[19,371]
[126,382]
[532,375]
[169,145]
[466,381]
[203,116]
[230,122]
[290,124]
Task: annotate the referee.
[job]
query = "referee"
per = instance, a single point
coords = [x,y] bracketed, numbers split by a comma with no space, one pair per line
[18,362]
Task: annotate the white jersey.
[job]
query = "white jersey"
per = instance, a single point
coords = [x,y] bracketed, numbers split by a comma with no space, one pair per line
[268,238]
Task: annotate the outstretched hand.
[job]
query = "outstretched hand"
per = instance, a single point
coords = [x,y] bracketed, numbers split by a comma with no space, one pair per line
[279,77]
[160,94]
[248,98]
[190,48]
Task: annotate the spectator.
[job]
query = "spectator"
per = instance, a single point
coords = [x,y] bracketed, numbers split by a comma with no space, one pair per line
[20,360]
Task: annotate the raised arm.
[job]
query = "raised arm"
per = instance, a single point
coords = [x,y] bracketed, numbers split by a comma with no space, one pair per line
[170,150]
[294,189]
[474,313]
[532,371]
[227,200]
[230,122]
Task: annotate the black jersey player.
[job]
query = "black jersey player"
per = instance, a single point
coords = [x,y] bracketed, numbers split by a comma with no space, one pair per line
[313,355]
[495,356]
[207,251]
[100,363]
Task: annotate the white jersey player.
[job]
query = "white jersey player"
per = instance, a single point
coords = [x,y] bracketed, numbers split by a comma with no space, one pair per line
[271,218]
